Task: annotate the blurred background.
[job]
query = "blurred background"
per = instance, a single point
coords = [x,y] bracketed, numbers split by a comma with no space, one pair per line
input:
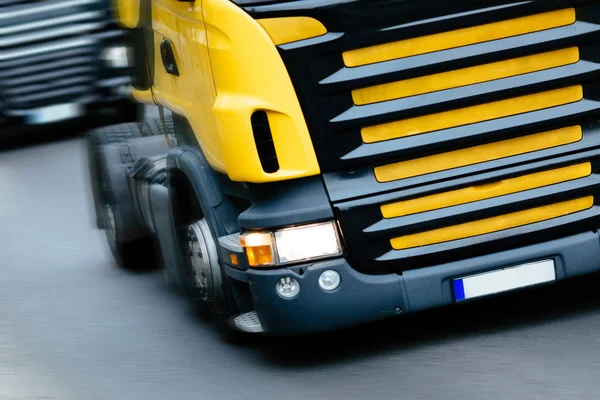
[63,64]
[73,326]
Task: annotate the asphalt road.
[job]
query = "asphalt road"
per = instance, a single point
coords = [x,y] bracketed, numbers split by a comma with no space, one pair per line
[73,326]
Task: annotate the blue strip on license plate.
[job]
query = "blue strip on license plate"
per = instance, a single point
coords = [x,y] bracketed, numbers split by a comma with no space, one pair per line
[504,280]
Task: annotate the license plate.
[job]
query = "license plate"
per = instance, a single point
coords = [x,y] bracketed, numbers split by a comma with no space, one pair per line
[59,112]
[504,280]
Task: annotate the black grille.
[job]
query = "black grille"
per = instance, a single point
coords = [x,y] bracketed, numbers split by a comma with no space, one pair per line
[324,85]
[47,55]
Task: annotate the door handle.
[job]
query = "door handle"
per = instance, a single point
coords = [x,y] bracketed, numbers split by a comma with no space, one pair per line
[168,57]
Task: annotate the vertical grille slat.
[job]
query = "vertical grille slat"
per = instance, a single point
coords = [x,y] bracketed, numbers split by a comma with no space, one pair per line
[264,141]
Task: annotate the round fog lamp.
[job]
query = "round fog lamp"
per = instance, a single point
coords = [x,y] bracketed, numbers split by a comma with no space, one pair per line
[329,280]
[287,287]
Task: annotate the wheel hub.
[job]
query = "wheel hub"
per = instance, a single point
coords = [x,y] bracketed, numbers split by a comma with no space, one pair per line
[204,262]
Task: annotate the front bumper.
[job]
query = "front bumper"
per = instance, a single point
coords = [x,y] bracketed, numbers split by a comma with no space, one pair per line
[363,298]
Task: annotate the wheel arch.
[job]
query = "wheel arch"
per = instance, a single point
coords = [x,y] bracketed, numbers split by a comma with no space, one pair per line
[189,173]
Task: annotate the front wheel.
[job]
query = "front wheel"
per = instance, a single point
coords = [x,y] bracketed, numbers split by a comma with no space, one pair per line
[203,270]
[203,263]
[201,267]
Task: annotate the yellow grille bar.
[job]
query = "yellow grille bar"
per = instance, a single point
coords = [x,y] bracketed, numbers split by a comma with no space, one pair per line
[486,191]
[471,115]
[478,154]
[465,76]
[493,224]
[458,38]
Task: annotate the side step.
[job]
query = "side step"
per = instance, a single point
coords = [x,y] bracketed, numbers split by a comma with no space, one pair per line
[248,322]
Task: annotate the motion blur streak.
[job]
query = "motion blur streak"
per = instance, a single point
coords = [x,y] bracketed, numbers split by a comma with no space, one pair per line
[61,61]
[74,327]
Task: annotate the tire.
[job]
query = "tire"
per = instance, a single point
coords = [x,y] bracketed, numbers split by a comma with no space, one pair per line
[187,210]
[94,142]
[131,245]
[152,126]
[114,134]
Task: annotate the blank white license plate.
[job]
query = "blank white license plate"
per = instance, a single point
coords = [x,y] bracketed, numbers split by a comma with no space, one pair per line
[504,280]
[59,112]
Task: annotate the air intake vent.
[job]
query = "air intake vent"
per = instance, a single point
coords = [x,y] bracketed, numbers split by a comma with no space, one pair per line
[264,142]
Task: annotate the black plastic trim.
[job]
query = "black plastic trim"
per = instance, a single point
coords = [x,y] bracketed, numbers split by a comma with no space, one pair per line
[363,298]
[287,203]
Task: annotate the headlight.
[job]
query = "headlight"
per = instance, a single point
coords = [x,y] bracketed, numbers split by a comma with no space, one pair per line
[115,57]
[285,246]
[308,242]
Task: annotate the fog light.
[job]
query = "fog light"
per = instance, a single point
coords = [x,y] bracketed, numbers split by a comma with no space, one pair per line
[329,280]
[287,287]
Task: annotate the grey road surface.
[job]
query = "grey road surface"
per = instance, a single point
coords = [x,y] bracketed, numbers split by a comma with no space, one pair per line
[73,326]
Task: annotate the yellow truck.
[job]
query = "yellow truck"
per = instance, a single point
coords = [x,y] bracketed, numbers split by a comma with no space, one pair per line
[322,164]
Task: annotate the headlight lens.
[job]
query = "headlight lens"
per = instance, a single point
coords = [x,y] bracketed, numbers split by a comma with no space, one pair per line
[308,242]
[291,245]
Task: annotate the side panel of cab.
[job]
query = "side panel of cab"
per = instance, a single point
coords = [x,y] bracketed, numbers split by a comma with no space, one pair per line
[191,92]
[250,76]
[227,68]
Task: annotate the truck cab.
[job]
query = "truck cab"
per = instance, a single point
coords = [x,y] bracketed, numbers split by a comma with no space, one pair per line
[61,61]
[322,164]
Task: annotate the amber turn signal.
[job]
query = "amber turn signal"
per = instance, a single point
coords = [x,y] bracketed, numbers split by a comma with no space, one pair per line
[259,248]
